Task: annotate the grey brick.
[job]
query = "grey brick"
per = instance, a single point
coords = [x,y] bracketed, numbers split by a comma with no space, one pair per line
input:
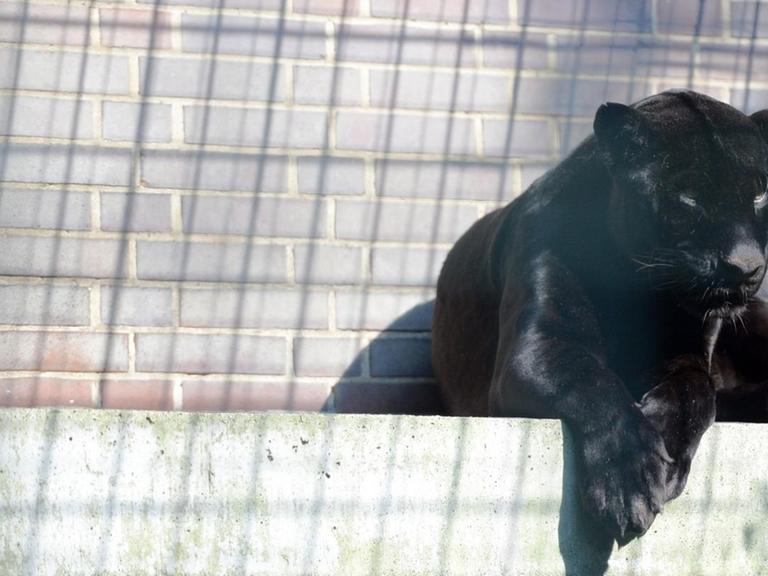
[513,50]
[136,212]
[341,8]
[131,306]
[251,36]
[328,264]
[212,79]
[120,121]
[63,72]
[433,90]
[66,352]
[689,17]
[220,4]
[402,222]
[629,15]
[56,209]
[375,310]
[572,133]
[208,262]
[45,117]
[55,164]
[518,138]
[717,92]
[392,357]
[327,85]
[574,97]
[254,216]
[255,127]
[403,396]
[468,180]
[214,171]
[728,62]
[45,256]
[749,101]
[24,22]
[208,354]
[52,305]
[327,356]
[406,266]
[531,172]
[489,11]
[405,44]
[749,19]
[329,175]
[639,56]
[405,133]
[254,307]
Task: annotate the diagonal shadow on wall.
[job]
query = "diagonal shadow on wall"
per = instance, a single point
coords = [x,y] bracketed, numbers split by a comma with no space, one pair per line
[400,383]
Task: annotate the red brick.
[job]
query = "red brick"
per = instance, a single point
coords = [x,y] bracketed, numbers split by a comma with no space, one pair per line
[42,391]
[135,28]
[25,22]
[63,351]
[137,394]
[201,395]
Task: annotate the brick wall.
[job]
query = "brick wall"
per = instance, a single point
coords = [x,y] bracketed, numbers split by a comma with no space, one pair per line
[238,204]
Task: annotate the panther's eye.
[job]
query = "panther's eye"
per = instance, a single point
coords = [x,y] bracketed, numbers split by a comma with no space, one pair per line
[762,194]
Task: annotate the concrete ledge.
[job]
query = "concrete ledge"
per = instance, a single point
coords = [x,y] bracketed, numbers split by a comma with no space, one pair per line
[85,492]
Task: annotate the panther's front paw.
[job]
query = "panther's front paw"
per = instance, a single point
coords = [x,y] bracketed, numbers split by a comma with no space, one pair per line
[625,477]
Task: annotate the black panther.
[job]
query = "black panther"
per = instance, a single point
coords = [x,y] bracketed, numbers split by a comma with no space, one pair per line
[619,293]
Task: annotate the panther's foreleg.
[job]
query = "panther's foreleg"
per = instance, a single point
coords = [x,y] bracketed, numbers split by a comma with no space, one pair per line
[681,407]
[551,357]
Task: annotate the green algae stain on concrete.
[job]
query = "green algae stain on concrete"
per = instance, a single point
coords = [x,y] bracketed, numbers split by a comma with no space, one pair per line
[340,495]
[138,541]
[11,557]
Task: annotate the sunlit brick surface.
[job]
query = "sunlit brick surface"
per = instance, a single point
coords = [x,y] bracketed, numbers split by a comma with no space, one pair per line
[207,205]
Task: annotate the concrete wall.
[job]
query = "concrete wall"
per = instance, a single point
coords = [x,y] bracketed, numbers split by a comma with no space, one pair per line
[132,493]
[226,204]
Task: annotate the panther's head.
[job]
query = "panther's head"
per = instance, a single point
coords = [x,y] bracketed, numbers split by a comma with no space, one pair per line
[689,203]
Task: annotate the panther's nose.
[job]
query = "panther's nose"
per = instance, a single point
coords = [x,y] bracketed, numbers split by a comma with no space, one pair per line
[744,264]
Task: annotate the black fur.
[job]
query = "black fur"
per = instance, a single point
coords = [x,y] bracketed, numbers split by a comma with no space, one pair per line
[618,293]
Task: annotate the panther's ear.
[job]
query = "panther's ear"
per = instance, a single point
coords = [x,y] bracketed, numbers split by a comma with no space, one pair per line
[622,132]
[761,119]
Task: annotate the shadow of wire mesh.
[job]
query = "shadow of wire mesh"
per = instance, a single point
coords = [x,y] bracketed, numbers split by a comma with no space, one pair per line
[228,205]
[225,207]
